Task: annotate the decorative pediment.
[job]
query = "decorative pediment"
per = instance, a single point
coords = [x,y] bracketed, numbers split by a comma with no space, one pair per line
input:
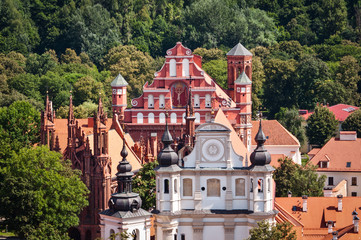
[209,127]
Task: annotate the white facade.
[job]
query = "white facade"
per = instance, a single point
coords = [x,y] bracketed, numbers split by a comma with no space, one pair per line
[353,180]
[214,196]
[133,225]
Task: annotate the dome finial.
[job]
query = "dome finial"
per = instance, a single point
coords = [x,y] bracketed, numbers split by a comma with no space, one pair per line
[260,156]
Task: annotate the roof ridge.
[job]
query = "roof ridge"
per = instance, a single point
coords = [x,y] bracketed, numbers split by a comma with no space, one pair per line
[286,213]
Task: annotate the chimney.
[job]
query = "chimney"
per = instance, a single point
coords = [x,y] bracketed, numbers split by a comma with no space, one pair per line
[289,193]
[355,224]
[348,136]
[339,205]
[330,225]
[304,205]
[335,235]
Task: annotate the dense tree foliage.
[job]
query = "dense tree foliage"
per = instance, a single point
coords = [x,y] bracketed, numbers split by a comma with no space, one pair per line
[321,126]
[144,184]
[41,196]
[266,231]
[293,122]
[304,51]
[19,126]
[353,123]
[300,180]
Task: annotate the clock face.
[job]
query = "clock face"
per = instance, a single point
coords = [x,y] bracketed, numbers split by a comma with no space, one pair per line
[212,150]
[114,91]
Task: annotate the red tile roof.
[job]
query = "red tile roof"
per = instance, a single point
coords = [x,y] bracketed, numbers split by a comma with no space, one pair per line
[341,111]
[320,210]
[276,133]
[338,153]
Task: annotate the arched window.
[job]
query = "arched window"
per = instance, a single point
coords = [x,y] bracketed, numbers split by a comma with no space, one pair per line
[260,185]
[161,118]
[151,118]
[248,71]
[173,118]
[111,233]
[166,186]
[172,68]
[185,69]
[198,117]
[269,185]
[240,187]
[196,101]
[140,118]
[184,118]
[187,187]
[175,186]
[150,101]
[161,101]
[213,187]
[208,100]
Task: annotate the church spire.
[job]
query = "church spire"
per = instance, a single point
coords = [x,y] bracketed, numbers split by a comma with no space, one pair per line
[71,110]
[167,156]
[124,199]
[260,156]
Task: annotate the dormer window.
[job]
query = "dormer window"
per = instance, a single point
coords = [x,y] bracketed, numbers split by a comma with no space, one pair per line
[348,164]
[323,164]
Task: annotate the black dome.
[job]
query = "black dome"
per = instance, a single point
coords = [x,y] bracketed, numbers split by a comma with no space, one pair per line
[260,156]
[125,202]
[167,156]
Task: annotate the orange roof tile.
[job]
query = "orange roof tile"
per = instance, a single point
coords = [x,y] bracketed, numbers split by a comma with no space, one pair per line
[61,129]
[319,211]
[338,153]
[276,133]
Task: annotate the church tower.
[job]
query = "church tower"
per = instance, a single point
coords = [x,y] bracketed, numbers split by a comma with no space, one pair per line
[47,133]
[239,61]
[119,95]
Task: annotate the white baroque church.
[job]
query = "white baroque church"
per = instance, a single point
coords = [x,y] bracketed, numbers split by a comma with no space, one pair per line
[212,193]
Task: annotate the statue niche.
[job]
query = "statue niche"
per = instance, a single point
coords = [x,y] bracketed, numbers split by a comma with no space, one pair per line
[179,91]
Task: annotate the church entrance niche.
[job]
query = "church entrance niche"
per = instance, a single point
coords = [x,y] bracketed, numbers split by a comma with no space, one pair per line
[179,92]
[74,233]
[88,235]
[135,234]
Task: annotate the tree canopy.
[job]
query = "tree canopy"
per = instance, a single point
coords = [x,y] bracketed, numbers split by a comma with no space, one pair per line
[266,231]
[353,123]
[300,180]
[41,196]
[144,184]
[321,126]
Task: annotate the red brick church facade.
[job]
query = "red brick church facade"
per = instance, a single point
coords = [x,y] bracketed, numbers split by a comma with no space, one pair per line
[182,80]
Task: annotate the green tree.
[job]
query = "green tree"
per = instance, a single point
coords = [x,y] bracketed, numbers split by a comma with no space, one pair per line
[20,123]
[279,87]
[321,126]
[258,79]
[278,231]
[135,66]
[212,23]
[144,184]
[41,196]
[293,122]
[300,180]
[87,88]
[217,69]
[353,123]
[92,30]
